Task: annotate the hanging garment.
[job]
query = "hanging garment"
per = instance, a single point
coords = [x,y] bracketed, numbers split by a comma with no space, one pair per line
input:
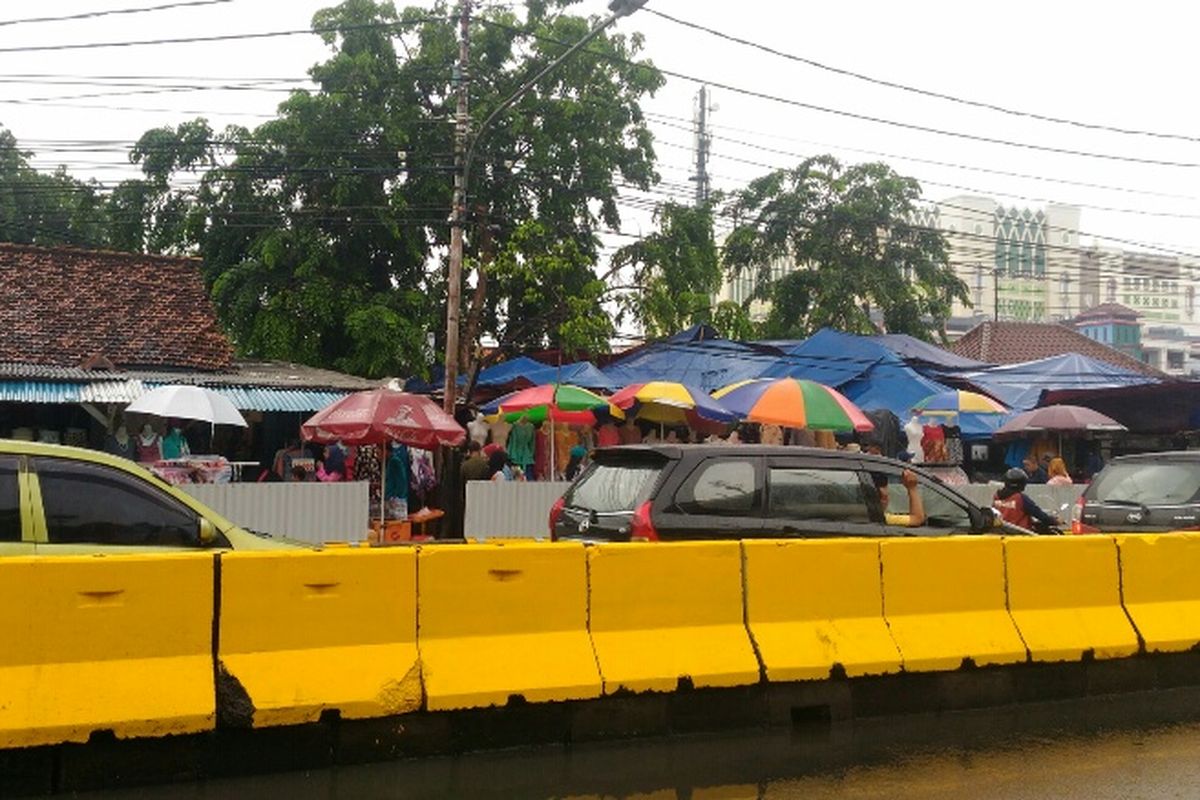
[397,475]
[520,443]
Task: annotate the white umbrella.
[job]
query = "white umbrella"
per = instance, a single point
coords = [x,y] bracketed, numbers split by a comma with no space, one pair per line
[188,402]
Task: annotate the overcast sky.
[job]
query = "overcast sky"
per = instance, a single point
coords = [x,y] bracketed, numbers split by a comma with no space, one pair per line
[1126,66]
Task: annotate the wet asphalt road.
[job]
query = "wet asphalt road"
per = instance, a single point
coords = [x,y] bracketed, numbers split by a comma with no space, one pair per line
[1118,749]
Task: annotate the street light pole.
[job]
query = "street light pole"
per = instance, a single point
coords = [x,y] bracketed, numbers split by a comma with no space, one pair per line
[462,170]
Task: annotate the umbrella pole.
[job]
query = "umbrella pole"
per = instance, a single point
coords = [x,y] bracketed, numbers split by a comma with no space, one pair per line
[383,493]
[553,465]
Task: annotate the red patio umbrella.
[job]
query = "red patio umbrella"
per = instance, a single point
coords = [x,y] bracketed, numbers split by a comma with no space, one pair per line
[384,415]
[379,416]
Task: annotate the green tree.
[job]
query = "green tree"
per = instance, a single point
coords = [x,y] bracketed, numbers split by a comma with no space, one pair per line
[848,240]
[323,230]
[674,272]
[46,208]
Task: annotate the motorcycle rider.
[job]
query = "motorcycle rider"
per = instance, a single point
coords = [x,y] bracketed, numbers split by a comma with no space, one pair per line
[1017,508]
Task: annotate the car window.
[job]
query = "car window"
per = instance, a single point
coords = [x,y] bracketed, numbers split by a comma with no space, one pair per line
[720,487]
[940,510]
[611,487]
[95,504]
[816,494]
[10,502]
[1162,483]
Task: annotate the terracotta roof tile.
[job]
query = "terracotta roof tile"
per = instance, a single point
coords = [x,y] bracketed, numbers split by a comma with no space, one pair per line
[1015,342]
[62,306]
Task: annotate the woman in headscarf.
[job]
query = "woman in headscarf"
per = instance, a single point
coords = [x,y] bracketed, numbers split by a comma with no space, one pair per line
[1058,473]
[498,469]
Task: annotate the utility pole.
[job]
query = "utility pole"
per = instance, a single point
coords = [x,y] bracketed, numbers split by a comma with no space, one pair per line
[458,208]
[703,142]
[464,150]
[996,295]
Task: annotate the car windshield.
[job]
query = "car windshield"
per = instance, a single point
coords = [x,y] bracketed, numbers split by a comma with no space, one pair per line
[613,486]
[1164,483]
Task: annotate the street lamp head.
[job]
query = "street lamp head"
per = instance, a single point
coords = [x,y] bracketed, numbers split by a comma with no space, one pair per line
[623,8]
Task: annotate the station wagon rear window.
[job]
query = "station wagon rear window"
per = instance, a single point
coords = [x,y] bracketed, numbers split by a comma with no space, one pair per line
[615,486]
[1160,484]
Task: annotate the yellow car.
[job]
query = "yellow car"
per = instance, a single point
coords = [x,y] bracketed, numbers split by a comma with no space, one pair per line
[63,500]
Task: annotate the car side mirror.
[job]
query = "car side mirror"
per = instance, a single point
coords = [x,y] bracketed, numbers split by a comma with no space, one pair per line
[208,532]
[990,518]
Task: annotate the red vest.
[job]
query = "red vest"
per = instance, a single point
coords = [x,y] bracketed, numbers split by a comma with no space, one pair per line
[1012,510]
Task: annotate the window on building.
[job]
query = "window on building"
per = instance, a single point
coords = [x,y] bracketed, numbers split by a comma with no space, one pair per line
[1176,359]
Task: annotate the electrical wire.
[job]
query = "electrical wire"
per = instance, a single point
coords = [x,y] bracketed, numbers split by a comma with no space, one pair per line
[916,90]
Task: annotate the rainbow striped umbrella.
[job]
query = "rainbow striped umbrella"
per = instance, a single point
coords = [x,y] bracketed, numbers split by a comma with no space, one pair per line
[793,403]
[958,401]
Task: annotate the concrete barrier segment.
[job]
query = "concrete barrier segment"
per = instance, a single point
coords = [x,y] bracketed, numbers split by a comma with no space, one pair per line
[105,643]
[1160,588]
[500,622]
[944,602]
[815,605]
[1064,594]
[669,614]
[302,632]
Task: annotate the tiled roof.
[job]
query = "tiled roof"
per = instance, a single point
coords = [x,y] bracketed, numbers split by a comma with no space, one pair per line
[1015,342]
[1104,311]
[62,306]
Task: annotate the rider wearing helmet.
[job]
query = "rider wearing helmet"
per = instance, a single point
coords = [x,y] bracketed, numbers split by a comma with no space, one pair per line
[1017,508]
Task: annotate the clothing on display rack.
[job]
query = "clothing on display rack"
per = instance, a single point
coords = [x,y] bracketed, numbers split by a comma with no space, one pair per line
[148,446]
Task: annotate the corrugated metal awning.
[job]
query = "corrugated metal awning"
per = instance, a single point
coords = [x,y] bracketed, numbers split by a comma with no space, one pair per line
[256,398]
[121,392]
[40,392]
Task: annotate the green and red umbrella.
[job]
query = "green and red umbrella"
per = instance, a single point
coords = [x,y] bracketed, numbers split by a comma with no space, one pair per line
[557,402]
[793,403]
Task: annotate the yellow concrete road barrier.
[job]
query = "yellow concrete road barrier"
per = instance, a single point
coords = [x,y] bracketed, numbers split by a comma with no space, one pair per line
[498,621]
[304,631]
[120,643]
[1064,594]
[815,604]
[944,601]
[1160,588]
[665,612]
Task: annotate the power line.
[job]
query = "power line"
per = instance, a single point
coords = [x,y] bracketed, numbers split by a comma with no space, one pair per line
[917,160]
[112,12]
[865,117]
[916,90]
[222,37]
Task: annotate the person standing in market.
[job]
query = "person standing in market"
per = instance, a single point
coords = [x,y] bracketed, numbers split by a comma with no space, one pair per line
[475,468]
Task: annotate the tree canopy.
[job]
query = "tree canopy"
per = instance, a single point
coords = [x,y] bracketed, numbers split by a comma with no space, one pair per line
[323,230]
[827,244]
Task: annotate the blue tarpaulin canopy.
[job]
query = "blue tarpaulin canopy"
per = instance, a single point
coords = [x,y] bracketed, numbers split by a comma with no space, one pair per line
[1020,386]
[694,357]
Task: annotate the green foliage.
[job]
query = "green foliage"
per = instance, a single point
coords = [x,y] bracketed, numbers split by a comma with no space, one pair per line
[847,232]
[675,271]
[46,208]
[323,230]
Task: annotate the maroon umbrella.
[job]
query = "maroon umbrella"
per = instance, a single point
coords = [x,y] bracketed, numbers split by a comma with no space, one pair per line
[384,415]
[1063,420]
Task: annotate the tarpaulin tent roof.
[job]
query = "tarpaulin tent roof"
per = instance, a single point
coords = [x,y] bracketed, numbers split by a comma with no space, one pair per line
[829,357]
[580,373]
[871,374]
[913,349]
[505,372]
[1020,386]
[706,362]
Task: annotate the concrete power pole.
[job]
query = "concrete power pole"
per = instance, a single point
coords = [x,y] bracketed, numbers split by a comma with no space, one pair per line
[458,208]
[703,141]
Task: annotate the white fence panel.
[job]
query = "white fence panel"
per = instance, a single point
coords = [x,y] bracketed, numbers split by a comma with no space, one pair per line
[309,512]
[510,509]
